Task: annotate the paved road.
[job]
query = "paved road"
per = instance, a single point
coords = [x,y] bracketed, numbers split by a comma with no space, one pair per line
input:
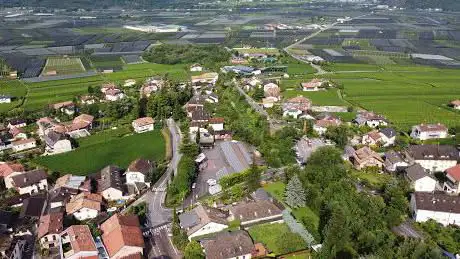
[159,245]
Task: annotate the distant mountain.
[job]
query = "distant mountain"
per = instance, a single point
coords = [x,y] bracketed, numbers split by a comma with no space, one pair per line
[96,4]
[451,5]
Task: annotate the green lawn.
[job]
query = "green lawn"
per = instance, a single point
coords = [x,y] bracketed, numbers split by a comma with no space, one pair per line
[12,88]
[276,189]
[104,136]
[371,179]
[117,151]
[277,237]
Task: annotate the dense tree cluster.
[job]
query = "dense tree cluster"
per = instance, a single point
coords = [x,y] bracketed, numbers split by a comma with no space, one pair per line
[168,102]
[208,55]
[356,223]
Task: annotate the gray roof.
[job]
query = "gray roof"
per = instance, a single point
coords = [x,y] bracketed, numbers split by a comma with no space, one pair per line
[189,219]
[393,157]
[29,178]
[437,202]
[228,245]
[52,137]
[416,172]
[200,216]
[111,178]
[236,155]
[433,152]
[388,132]
[255,210]
[261,195]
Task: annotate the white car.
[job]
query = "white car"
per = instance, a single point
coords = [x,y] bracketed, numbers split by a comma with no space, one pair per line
[211,182]
[193,185]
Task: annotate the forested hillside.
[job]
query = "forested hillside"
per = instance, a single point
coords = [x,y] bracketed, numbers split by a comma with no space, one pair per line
[451,5]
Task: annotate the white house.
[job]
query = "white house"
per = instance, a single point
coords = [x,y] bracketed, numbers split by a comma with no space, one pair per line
[394,161]
[8,170]
[442,208]
[269,102]
[49,228]
[435,158]
[112,93]
[388,136]
[452,185]
[455,104]
[138,171]
[320,126]
[23,144]
[203,220]
[370,119]
[30,181]
[143,124]
[314,85]
[17,123]
[216,123]
[84,206]
[5,99]
[419,179]
[196,68]
[371,138]
[429,131]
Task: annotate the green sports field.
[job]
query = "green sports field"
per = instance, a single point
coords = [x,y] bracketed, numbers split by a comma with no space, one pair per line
[116,151]
[63,66]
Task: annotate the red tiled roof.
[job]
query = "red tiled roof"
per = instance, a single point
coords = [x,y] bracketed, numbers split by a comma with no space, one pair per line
[454,172]
[119,231]
[216,120]
[432,127]
[81,239]
[144,121]
[455,102]
[62,105]
[50,224]
[7,169]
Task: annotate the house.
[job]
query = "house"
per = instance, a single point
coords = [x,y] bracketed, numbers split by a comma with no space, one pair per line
[17,123]
[17,133]
[200,116]
[239,61]
[206,78]
[321,125]
[84,206]
[370,119]
[203,220]
[129,83]
[77,243]
[12,247]
[196,68]
[83,121]
[452,183]
[372,138]
[60,196]
[388,136]
[216,123]
[221,134]
[88,99]
[5,99]
[147,90]
[306,146]
[226,245]
[7,219]
[455,104]
[419,179]
[429,131]
[8,170]
[435,158]
[272,90]
[143,124]
[253,213]
[366,157]
[74,182]
[139,171]
[122,236]
[49,228]
[442,208]
[269,102]
[33,207]
[23,144]
[111,184]
[297,105]
[112,93]
[394,161]
[314,85]
[78,127]
[31,181]
[196,102]
[57,143]
[67,107]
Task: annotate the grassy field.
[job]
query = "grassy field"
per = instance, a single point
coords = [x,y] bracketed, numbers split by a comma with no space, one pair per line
[106,61]
[63,66]
[12,88]
[270,235]
[117,151]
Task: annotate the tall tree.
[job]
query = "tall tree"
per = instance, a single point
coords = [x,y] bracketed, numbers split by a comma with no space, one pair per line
[193,250]
[253,178]
[295,194]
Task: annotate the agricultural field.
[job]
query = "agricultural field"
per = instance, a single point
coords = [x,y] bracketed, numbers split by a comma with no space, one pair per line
[410,96]
[63,66]
[106,61]
[266,51]
[116,151]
